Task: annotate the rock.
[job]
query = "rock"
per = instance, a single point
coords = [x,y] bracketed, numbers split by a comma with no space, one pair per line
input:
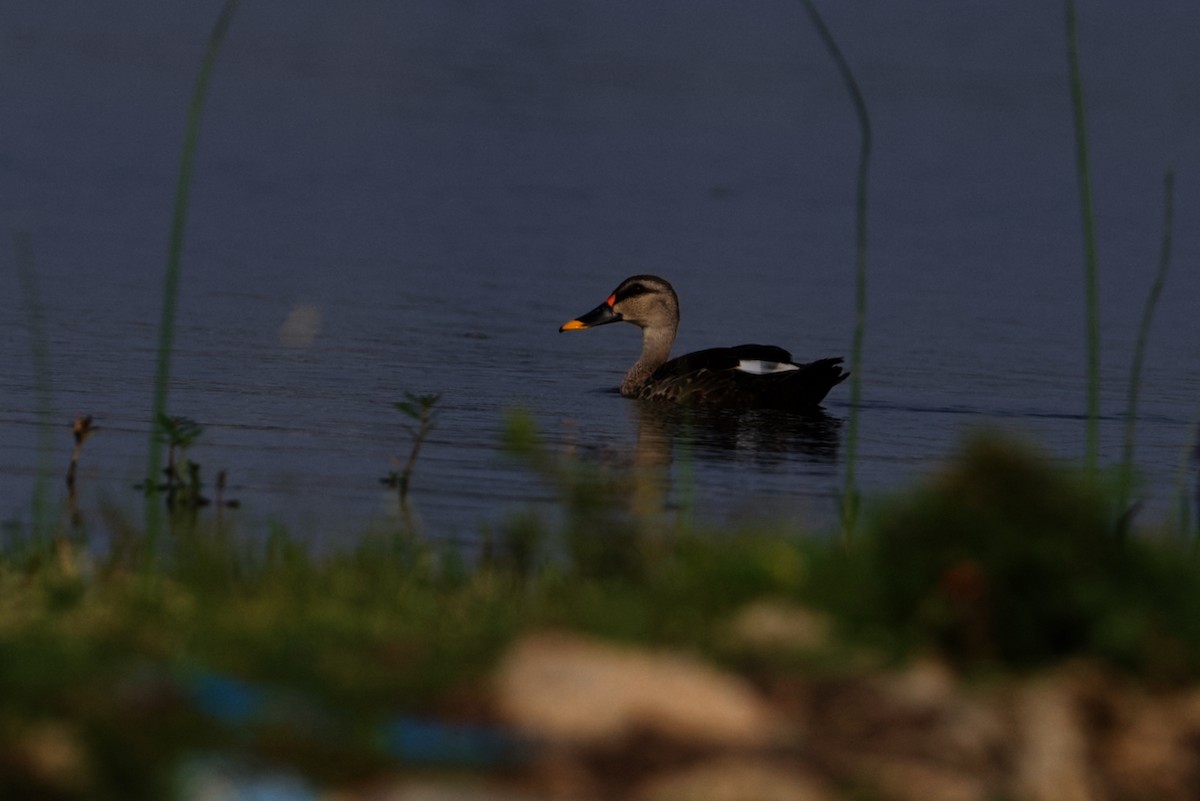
[53,755]
[733,779]
[920,714]
[911,780]
[1052,750]
[769,626]
[208,777]
[960,730]
[924,686]
[1150,754]
[562,774]
[912,735]
[430,790]
[582,691]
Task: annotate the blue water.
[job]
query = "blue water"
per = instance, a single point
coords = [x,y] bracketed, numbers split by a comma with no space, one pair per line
[441,184]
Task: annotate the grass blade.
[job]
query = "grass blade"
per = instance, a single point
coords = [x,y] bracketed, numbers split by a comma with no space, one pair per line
[1186,522]
[1139,352]
[1091,282]
[850,495]
[166,327]
[35,316]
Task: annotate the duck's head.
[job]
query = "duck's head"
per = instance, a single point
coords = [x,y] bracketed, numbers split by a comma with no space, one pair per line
[647,301]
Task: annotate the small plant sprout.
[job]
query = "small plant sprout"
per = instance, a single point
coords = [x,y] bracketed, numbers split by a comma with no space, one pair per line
[421,410]
[182,482]
[222,482]
[81,429]
[183,475]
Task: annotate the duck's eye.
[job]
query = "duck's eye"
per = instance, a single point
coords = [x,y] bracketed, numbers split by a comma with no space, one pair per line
[633,290]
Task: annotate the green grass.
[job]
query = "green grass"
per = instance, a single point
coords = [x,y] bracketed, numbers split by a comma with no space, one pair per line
[1091,284]
[1006,560]
[1143,336]
[35,323]
[1003,562]
[171,276]
[850,495]
[1183,521]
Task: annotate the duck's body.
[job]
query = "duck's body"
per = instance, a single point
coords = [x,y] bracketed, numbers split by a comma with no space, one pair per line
[746,376]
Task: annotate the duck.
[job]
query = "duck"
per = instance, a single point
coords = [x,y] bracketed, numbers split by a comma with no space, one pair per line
[744,376]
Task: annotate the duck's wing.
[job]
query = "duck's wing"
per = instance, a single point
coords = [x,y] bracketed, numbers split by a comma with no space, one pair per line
[744,357]
[744,376]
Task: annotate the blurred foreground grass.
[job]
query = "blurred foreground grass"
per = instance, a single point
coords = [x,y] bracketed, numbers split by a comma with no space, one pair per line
[110,674]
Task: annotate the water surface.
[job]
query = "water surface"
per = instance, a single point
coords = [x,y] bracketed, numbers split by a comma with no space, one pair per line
[443,184]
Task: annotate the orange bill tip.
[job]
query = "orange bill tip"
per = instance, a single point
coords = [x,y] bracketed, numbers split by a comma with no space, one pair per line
[572,325]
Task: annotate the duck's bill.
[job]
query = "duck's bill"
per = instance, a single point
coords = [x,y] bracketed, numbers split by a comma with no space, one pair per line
[598,316]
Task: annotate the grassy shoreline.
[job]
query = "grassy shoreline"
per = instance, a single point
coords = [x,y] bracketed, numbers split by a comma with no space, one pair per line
[1000,566]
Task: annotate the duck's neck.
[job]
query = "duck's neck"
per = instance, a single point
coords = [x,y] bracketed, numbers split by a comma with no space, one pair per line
[656,348]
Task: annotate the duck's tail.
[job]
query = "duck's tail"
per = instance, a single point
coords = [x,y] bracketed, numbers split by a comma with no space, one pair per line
[809,385]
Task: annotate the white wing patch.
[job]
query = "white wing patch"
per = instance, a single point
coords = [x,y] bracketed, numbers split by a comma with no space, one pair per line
[760,367]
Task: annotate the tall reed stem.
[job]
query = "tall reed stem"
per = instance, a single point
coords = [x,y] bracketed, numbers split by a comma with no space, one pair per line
[1139,352]
[166,326]
[850,494]
[35,316]
[1186,523]
[1091,282]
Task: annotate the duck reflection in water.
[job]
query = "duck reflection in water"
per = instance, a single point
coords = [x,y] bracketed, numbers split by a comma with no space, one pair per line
[760,436]
[765,436]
